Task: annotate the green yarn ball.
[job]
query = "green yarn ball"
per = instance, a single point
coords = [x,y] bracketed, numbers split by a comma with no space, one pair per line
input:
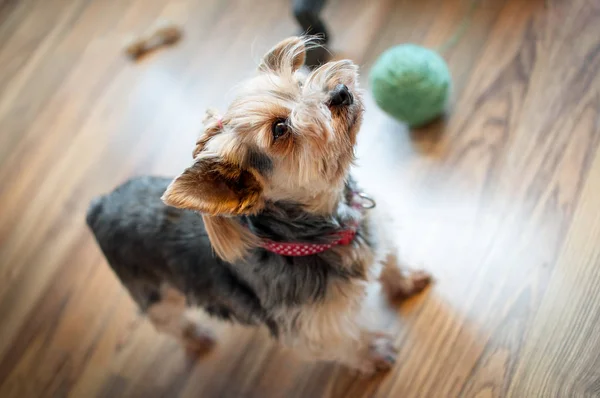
[411,83]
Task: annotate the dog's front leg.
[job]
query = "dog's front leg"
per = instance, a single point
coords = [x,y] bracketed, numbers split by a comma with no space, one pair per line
[373,352]
[169,315]
[349,344]
[400,284]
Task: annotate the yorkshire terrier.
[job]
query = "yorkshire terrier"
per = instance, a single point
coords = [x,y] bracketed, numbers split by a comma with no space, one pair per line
[266,226]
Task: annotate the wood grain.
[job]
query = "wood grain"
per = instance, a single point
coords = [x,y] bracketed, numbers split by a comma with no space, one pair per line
[499,200]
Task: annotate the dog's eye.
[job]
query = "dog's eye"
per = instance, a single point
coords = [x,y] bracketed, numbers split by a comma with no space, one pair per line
[280,128]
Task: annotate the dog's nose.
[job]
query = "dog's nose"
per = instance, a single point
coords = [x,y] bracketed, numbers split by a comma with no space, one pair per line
[341,96]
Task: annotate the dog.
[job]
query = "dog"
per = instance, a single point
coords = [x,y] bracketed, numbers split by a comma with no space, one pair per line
[266,226]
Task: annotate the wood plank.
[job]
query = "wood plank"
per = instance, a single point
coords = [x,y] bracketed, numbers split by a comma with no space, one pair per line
[560,355]
[497,201]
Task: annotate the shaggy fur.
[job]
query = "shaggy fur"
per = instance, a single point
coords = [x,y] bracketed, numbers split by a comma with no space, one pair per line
[273,166]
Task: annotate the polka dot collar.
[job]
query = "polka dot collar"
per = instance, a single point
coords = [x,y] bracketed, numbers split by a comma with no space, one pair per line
[345,237]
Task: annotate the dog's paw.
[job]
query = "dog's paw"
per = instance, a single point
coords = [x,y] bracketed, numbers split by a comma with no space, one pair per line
[420,280]
[380,355]
[382,352]
[406,286]
[197,338]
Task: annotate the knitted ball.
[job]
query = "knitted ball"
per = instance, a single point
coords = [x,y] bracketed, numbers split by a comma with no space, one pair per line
[411,83]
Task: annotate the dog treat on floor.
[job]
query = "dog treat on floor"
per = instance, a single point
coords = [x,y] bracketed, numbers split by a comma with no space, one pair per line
[165,34]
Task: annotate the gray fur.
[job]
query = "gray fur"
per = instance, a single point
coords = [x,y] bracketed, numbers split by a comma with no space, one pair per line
[148,243]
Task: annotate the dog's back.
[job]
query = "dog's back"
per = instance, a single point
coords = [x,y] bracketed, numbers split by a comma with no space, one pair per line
[133,229]
[149,244]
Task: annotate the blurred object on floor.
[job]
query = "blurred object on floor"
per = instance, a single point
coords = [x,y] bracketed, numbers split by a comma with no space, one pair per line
[162,34]
[308,15]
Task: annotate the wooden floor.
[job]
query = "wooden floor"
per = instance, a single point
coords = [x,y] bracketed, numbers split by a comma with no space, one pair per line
[501,202]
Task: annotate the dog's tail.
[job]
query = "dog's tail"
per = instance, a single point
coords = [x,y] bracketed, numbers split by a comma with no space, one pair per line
[94,211]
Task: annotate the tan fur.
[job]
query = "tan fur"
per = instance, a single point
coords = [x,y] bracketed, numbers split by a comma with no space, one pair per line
[400,285]
[216,187]
[307,165]
[314,157]
[337,329]
[169,316]
[211,129]
[289,54]
[229,239]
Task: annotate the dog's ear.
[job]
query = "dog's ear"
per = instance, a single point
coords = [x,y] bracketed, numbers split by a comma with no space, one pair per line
[213,186]
[287,55]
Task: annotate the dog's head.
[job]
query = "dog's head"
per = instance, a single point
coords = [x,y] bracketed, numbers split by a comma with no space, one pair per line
[287,136]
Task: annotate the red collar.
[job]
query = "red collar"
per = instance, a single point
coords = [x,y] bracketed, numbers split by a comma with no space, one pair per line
[306,249]
[345,237]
